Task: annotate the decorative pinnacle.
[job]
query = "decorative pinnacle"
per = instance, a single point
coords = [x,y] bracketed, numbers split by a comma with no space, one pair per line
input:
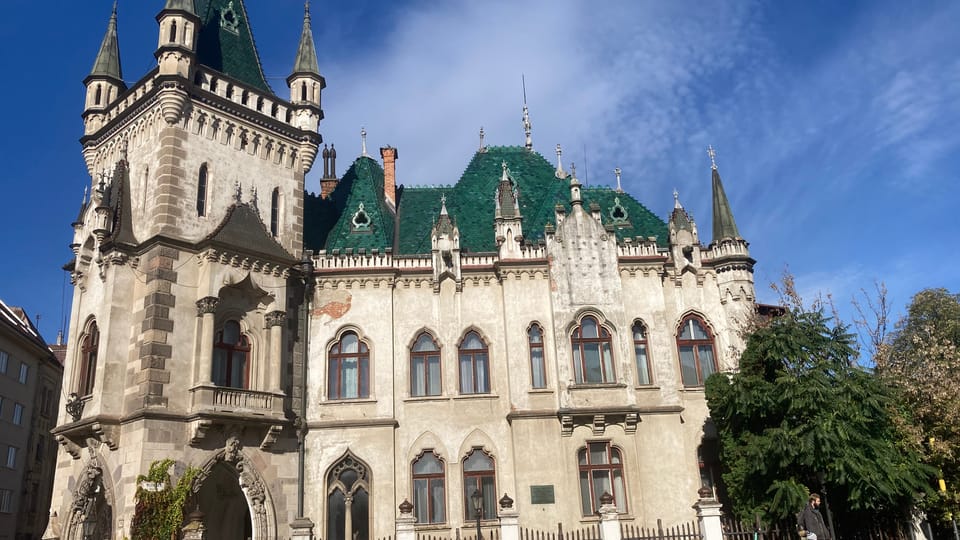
[616,171]
[363,141]
[481,139]
[560,173]
[443,204]
[676,198]
[573,170]
[503,166]
[713,155]
[526,116]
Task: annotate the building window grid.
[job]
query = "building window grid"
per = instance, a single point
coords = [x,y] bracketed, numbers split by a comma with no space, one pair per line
[601,470]
[592,352]
[479,474]
[641,352]
[474,365]
[695,346]
[348,370]
[538,369]
[429,490]
[425,374]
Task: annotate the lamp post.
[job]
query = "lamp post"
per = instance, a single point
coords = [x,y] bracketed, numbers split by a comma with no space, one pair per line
[477,499]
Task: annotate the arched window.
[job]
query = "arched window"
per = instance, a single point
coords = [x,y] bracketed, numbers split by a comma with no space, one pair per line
[202,191]
[538,370]
[231,357]
[275,212]
[474,365]
[641,353]
[695,345]
[99,95]
[601,471]
[348,368]
[592,352]
[173,31]
[429,492]
[425,367]
[348,494]
[479,474]
[303,91]
[89,345]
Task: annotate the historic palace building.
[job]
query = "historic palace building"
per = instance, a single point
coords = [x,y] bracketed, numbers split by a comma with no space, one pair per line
[336,363]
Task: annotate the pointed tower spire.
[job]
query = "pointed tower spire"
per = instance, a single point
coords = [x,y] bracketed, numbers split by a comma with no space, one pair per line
[526,116]
[723,224]
[107,64]
[306,62]
[181,5]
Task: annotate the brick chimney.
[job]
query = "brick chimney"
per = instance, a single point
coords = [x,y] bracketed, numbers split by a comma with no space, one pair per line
[329,181]
[389,155]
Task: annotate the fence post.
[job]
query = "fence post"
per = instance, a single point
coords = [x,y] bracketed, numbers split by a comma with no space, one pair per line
[509,519]
[708,513]
[609,518]
[406,522]
[301,529]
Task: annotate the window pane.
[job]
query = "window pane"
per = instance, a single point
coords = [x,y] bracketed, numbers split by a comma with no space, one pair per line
[364,377]
[428,464]
[588,328]
[586,504]
[686,332]
[601,485]
[643,368]
[577,363]
[537,368]
[608,374]
[478,461]
[535,335]
[421,505]
[348,374]
[598,453]
[437,502]
[688,366]
[231,332]
[483,381]
[698,330]
[424,343]
[639,332]
[472,341]
[591,354]
[417,377]
[466,374]
[434,373]
[349,343]
[489,497]
[619,492]
[332,379]
[705,352]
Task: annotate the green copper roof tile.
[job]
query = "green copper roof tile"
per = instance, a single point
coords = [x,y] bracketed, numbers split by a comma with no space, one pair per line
[365,220]
[181,5]
[107,63]
[307,52]
[226,42]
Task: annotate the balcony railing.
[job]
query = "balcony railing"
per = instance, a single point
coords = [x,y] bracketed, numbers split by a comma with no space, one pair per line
[237,400]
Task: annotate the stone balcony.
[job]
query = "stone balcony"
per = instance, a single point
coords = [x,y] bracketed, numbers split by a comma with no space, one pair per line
[237,401]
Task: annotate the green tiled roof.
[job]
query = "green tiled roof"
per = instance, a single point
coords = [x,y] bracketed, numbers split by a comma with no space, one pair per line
[471,205]
[226,42]
[723,224]
[107,63]
[369,226]
[306,61]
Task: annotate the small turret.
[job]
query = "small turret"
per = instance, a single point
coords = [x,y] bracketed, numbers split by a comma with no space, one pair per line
[508,222]
[445,248]
[105,81]
[684,239]
[576,198]
[177,45]
[306,82]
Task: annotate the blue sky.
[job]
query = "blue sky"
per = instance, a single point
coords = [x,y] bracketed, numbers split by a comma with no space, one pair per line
[835,123]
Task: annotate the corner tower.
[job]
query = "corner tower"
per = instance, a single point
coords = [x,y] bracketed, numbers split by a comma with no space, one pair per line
[105,81]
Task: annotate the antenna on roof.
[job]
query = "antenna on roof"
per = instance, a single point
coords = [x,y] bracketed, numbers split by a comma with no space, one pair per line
[526,115]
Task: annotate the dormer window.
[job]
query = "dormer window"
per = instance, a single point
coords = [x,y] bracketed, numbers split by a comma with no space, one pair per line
[360,221]
[229,20]
[618,214]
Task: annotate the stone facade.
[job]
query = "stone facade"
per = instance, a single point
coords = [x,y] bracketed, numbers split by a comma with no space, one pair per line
[308,382]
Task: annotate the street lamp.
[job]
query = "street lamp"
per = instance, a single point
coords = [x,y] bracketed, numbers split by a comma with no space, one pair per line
[477,499]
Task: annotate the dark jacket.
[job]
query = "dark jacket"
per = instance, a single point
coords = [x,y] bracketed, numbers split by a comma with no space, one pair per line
[811,521]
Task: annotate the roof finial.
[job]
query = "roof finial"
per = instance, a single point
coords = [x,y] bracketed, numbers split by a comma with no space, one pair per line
[503,165]
[482,147]
[363,141]
[306,8]
[676,198]
[82,203]
[573,170]
[560,172]
[443,204]
[526,116]
[114,7]
[713,155]
[616,171]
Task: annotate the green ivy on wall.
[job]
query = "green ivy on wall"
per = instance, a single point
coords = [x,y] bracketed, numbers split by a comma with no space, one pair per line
[159,506]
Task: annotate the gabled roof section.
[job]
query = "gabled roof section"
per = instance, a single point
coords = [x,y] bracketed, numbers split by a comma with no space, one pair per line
[365,220]
[243,230]
[107,63]
[628,216]
[226,42]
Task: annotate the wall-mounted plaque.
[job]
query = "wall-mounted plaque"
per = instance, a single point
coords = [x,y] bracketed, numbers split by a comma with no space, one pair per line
[541,495]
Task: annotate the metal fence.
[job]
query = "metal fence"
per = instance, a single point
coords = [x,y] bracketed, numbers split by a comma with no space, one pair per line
[682,531]
[587,533]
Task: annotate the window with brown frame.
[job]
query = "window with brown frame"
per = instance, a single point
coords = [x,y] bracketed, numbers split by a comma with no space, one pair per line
[429,491]
[695,346]
[642,354]
[538,369]
[592,352]
[425,367]
[474,365]
[89,345]
[231,357]
[601,471]
[479,474]
[348,368]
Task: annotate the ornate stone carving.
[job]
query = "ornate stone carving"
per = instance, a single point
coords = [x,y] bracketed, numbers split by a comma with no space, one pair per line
[231,451]
[199,430]
[276,318]
[74,406]
[91,483]
[506,502]
[273,432]
[71,447]
[207,304]
[566,425]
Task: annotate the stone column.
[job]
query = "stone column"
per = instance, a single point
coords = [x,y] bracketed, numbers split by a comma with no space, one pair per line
[509,519]
[271,379]
[708,513]
[301,529]
[194,529]
[609,518]
[406,522]
[206,308]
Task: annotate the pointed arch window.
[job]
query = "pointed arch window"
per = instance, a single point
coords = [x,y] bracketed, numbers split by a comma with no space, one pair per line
[601,471]
[695,346]
[275,212]
[99,95]
[348,494]
[592,352]
[479,474]
[425,367]
[173,32]
[348,368]
[89,350]
[641,354]
[202,191]
[303,91]
[231,357]
[538,370]
[429,490]
[474,365]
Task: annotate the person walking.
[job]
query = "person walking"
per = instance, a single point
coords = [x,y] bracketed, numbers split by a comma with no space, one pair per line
[811,521]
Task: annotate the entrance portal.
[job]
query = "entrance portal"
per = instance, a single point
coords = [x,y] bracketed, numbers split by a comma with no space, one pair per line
[227,515]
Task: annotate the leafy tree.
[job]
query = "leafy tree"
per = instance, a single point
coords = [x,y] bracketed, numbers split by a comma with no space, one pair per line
[920,360]
[801,409]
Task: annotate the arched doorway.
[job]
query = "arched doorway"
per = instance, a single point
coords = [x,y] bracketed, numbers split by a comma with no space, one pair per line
[348,500]
[226,513]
